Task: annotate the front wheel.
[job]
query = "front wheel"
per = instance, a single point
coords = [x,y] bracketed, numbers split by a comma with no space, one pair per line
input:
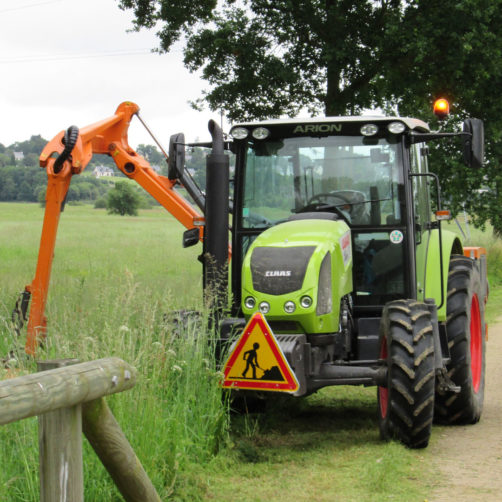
[465,328]
[406,404]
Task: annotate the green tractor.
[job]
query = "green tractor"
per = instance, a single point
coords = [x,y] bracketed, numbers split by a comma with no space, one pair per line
[339,274]
[334,246]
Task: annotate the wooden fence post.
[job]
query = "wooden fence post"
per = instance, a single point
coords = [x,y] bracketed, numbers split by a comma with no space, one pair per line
[60,448]
[116,454]
[66,398]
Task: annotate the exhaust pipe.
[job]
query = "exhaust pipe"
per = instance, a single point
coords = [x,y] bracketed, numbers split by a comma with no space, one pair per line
[215,256]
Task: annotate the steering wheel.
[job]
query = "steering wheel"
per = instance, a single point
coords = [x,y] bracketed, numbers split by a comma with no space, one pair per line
[315,203]
[316,199]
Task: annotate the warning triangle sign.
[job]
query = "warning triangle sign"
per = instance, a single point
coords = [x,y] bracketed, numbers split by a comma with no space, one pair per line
[257,361]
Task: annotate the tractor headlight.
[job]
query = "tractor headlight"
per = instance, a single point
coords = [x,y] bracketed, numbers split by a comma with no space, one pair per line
[306,302]
[264,307]
[249,303]
[396,127]
[260,133]
[369,129]
[289,307]
[239,133]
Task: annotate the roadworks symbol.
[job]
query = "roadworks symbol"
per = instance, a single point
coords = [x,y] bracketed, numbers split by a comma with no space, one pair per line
[257,361]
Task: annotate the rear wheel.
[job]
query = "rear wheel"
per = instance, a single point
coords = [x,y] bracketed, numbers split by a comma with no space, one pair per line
[406,405]
[465,327]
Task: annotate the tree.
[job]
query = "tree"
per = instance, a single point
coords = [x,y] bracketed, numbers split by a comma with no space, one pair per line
[4,159]
[123,199]
[41,197]
[73,193]
[268,58]
[34,145]
[265,58]
[150,153]
[469,71]
[274,57]
[7,189]
[31,160]
[196,162]
[25,192]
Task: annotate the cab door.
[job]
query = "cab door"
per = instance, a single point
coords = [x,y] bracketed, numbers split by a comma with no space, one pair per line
[421,211]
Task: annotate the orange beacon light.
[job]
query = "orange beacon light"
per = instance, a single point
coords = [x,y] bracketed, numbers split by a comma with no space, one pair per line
[441,108]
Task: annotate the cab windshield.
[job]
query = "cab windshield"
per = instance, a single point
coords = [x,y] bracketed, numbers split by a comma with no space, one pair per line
[355,176]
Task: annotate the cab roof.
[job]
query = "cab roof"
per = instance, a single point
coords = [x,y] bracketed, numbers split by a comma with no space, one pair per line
[410,123]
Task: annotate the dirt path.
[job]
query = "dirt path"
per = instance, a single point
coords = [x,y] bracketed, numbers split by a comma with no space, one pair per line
[469,459]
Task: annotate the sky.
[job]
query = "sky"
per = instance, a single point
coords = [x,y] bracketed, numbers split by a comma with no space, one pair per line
[65,62]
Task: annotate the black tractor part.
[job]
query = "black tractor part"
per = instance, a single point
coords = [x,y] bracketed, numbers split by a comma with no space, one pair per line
[215,254]
[69,141]
[406,403]
[465,329]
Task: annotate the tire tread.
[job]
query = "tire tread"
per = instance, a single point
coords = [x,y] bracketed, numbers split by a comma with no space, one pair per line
[406,326]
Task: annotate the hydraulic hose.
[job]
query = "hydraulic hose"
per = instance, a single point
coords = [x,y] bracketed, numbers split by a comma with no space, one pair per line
[69,141]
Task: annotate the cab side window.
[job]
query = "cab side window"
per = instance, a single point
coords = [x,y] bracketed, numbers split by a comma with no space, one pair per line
[421,201]
[422,212]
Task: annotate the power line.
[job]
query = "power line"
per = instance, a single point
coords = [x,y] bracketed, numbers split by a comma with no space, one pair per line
[28,6]
[62,57]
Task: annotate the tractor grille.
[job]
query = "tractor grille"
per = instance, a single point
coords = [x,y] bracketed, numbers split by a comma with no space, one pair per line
[277,271]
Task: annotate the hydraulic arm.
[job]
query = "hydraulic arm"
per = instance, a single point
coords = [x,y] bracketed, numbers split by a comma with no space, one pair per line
[68,154]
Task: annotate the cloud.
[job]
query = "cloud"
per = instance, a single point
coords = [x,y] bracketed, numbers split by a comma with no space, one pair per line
[72,62]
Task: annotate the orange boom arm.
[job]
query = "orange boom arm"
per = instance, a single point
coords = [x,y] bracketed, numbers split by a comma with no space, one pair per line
[68,154]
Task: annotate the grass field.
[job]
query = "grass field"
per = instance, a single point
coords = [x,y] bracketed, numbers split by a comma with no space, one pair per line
[114,279]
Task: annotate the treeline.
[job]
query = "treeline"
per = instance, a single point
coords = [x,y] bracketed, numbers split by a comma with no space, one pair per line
[31,150]
[22,179]
[28,184]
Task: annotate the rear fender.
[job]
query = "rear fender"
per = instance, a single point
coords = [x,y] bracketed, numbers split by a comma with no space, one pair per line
[479,255]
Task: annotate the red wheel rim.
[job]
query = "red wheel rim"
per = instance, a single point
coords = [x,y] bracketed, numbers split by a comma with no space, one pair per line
[476,344]
[383,392]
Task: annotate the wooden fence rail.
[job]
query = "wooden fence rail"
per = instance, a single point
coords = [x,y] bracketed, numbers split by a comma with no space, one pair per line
[67,396]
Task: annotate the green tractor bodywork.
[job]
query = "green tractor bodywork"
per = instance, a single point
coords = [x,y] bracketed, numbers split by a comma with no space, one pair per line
[296,273]
[436,277]
[335,244]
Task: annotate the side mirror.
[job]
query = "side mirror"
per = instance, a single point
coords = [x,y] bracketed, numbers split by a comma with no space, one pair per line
[190,237]
[176,162]
[474,145]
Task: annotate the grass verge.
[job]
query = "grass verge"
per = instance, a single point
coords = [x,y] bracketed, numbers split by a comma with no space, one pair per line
[112,285]
[322,448]
[114,279]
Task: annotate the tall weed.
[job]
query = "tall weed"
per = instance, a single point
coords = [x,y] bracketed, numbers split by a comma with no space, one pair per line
[174,417]
[112,300]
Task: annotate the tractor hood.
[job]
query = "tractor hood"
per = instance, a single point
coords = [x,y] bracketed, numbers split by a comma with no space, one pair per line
[296,272]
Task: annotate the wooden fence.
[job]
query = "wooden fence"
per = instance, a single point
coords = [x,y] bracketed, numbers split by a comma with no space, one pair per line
[68,398]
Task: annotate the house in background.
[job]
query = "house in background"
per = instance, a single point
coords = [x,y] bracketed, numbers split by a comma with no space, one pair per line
[18,156]
[101,171]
